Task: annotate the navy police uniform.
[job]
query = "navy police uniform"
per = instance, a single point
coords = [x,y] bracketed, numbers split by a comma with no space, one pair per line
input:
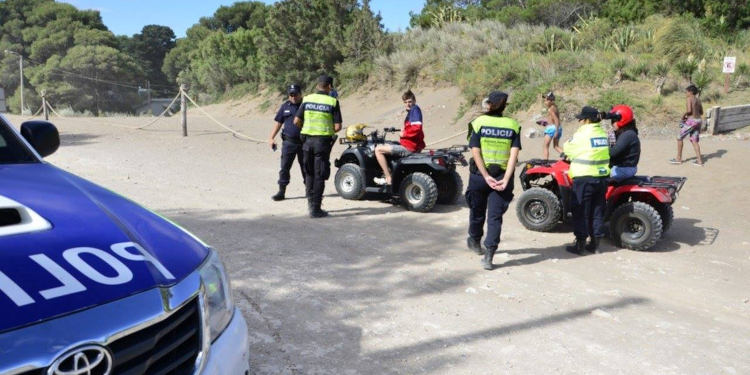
[291,146]
[588,152]
[495,135]
[318,113]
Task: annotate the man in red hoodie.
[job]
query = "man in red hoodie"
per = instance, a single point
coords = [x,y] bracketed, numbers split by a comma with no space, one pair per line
[412,138]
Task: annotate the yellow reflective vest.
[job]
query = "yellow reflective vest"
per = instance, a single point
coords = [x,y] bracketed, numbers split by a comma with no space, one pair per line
[318,115]
[588,152]
[496,138]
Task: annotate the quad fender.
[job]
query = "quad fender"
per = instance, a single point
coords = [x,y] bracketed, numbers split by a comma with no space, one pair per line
[642,193]
[351,155]
[558,171]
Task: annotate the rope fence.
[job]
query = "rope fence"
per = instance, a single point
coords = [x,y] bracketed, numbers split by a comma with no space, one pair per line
[183,94]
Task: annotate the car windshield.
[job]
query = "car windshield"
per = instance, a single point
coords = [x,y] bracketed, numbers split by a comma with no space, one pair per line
[12,151]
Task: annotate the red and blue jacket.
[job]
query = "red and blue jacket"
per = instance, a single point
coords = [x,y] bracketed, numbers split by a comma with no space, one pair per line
[412,137]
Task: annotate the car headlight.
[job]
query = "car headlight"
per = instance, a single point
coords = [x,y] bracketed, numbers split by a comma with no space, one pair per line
[217,295]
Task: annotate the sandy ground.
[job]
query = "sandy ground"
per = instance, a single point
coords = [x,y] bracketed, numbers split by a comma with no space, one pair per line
[375,289]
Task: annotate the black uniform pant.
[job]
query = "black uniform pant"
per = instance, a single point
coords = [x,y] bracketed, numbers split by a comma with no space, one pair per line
[588,204]
[316,152]
[290,148]
[486,203]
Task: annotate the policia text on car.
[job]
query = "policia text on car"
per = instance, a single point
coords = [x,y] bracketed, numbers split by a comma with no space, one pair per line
[319,116]
[495,142]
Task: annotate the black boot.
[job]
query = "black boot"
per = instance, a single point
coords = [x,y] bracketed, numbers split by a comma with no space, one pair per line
[280,195]
[474,245]
[316,212]
[487,260]
[593,245]
[578,247]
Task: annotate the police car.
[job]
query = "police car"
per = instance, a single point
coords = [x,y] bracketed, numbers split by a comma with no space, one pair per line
[93,284]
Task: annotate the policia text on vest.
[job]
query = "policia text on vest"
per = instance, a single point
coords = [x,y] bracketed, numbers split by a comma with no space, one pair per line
[320,119]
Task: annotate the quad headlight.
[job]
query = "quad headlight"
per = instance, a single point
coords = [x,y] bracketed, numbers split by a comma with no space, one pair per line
[216,294]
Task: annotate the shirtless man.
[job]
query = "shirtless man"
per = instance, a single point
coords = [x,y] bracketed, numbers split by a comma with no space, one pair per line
[691,126]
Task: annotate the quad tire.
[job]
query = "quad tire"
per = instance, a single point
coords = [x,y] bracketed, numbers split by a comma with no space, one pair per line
[350,182]
[635,226]
[418,192]
[667,217]
[539,209]
[450,189]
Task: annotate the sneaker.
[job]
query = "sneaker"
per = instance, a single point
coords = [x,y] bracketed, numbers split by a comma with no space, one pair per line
[697,164]
[379,180]
[675,161]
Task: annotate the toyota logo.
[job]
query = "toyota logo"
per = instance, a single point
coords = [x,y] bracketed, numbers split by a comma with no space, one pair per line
[86,360]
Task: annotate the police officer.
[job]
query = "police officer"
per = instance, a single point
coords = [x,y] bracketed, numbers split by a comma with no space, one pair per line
[495,142]
[588,152]
[319,116]
[291,145]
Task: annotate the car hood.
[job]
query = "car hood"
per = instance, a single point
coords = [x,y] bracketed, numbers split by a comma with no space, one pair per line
[98,247]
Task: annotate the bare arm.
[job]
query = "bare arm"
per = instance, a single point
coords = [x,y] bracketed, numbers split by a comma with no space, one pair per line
[509,169]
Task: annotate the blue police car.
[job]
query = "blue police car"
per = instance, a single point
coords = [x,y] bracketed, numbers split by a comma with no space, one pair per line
[94,284]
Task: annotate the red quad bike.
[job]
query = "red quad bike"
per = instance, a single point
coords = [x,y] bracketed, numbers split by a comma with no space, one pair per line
[639,209]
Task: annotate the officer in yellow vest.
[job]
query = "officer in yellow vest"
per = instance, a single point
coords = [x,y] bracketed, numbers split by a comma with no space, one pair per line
[588,152]
[319,116]
[495,142]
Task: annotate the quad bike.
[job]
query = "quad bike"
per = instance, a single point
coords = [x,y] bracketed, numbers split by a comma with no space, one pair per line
[639,209]
[419,180]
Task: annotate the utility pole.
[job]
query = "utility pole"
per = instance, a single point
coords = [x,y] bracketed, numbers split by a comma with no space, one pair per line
[20,65]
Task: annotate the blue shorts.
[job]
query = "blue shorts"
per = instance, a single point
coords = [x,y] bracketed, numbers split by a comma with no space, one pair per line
[550,131]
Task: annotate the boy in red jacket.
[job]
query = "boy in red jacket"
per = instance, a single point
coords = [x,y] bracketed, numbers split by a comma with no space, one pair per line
[412,138]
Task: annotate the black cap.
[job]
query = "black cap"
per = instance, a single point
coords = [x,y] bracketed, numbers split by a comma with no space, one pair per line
[293,89]
[497,97]
[550,95]
[588,113]
[325,79]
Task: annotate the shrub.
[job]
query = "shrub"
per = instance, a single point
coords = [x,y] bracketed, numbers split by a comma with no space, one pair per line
[609,98]
[679,37]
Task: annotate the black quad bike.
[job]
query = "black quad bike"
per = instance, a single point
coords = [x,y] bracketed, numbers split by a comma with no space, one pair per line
[419,180]
[639,209]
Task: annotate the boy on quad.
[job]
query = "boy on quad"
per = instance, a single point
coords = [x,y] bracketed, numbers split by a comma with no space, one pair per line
[412,138]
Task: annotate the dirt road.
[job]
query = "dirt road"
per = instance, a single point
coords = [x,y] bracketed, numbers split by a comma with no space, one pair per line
[375,289]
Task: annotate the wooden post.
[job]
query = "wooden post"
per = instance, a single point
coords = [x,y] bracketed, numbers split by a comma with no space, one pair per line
[726,83]
[148,95]
[715,113]
[44,106]
[183,108]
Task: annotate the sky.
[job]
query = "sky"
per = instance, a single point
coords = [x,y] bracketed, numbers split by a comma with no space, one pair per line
[127,17]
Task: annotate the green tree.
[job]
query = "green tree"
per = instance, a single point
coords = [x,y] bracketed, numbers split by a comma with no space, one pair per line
[246,15]
[364,39]
[89,78]
[303,38]
[149,48]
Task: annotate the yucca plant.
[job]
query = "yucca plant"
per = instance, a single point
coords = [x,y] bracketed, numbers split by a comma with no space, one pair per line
[741,72]
[661,71]
[702,80]
[686,67]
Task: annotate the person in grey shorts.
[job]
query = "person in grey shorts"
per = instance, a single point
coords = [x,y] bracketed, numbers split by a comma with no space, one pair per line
[412,138]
